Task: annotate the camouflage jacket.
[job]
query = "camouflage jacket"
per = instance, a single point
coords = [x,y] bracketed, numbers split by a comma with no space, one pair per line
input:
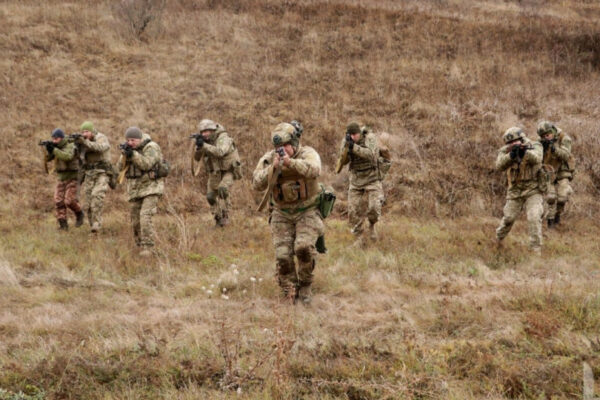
[363,161]
[522,175]
[561,159]
[296,188]
[95,154]
[140,170]
[218,152]
[66,159]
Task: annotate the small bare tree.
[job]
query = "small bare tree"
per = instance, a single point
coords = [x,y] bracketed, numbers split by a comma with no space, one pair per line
[139,15]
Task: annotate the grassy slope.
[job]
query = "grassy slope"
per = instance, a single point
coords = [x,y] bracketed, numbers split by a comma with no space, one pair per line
[434,312]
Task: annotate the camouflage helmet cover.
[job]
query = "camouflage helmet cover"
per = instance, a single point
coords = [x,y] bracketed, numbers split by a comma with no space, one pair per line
[513,133]
[545,127]
[207,125]
[284,133]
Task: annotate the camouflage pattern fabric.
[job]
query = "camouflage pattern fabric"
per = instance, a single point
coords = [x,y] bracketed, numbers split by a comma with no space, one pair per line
[534,209]
[557,197]
[142,211]
[140,182]
[66,160]
[219,182]
[523,191]
[65,196]
[364,202]
[95,186]
[295,226]
[295,234]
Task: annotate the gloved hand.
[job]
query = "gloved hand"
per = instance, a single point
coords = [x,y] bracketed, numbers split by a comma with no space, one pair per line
[514,152]
[50,147]
[199,141]
[349,142]
[127,150]
[522,151]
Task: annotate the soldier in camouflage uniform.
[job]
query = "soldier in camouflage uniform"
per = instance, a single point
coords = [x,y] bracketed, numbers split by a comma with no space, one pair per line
[295,220]
[140,159]
[222,163]
[522,160]
[558,160]
[365,193]
[95,151]
[65,154]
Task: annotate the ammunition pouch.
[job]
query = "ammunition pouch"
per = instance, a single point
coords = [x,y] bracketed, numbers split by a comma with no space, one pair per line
[290,191]
[104,165]
[326,201]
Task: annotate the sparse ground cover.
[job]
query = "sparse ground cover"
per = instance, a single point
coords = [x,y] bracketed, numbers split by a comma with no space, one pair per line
[434,312]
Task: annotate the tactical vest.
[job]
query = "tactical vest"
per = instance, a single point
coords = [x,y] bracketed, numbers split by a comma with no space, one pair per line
[225,163]
[359,164]
[292,188]
[96,159]
[521,173]
[68,166]
[556,163]
[134,172]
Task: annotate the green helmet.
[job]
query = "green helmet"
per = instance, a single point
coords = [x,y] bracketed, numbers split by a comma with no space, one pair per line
[87,126]
[207,125]
[284,133]
[545,127]
[513,133]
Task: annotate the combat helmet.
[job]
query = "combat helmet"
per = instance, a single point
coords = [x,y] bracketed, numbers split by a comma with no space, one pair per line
[207,125]
[513,133]
[545,127]
[285,133]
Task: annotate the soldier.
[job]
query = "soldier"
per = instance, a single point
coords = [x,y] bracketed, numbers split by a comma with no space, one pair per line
[558,159]
[289,175]
[365,193]
[64,152]
[95,151]
[522,160]
[222,163]
[139,161]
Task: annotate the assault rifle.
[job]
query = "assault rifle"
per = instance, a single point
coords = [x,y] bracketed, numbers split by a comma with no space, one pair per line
[343,159]
[196,169]
[75,136]
[272,176]
[520,150]
[46,156]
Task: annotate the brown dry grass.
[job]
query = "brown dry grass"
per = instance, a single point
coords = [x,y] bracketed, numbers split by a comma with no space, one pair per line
[434,312]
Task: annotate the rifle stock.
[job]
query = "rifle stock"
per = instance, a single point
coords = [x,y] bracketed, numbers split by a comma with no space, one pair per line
[271,179]
[342,160]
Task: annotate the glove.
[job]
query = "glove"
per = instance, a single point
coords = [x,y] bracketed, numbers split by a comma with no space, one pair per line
[50,148]
[349,142]
[545,144]
[522,151]
[199,141]
[514,152]
[127,151]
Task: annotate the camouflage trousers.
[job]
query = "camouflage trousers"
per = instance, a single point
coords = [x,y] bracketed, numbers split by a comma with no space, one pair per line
[534,208]
[217,192]
[556,198]
[295,235]
[142,211]
[365,201]
[65,196]
[95,186]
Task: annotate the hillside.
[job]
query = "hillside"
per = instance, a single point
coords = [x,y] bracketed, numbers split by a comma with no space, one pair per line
[434,311]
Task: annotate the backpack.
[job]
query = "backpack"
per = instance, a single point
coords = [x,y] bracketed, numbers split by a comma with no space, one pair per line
[162,169]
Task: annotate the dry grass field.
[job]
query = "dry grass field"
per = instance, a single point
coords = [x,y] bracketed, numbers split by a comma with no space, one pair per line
[433,312]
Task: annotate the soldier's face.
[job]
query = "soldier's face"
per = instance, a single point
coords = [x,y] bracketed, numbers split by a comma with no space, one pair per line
[548,136]
[514,142]
[134,142]
[87,134]
[56,140]
[205,134]
[355,137]
[289,149]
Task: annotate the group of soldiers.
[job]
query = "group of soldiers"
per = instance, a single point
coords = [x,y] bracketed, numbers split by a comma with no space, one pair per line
[538,175]
[538,178]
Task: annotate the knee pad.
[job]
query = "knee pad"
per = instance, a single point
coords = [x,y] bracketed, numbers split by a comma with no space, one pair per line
[223,192]
[304,254]
[285,266]
[211,197]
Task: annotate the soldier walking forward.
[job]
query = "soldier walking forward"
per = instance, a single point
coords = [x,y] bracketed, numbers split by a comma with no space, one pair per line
[65,154]
[289,173]
[139,160]
[522,160]
[95,150]
[222,163]
[359,149]
[559,161]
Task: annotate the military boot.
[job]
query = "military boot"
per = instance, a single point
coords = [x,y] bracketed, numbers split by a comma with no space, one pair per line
[557,219]
[224,218]
[550,223]
[305,295]
[79,220]
[145,252]
[63,225]
[95,227]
